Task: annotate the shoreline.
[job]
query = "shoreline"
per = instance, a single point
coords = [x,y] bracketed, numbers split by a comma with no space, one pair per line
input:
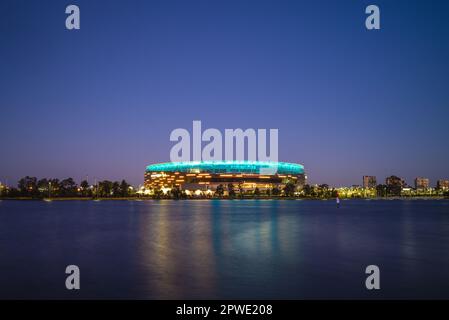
[215,198]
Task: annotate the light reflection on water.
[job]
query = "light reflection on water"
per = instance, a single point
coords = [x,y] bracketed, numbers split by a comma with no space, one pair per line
[224,249]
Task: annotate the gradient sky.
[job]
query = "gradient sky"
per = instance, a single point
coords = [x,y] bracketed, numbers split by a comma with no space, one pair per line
[103,100]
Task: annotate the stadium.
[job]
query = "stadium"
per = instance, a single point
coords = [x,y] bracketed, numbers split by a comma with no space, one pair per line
[205,176]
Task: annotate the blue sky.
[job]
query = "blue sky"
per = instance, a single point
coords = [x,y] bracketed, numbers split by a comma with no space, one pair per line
[102,101]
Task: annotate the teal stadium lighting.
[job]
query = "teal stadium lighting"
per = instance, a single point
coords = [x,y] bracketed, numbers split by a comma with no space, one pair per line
[249,167]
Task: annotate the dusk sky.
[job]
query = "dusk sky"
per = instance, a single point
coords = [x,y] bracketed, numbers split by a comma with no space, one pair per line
[101,101]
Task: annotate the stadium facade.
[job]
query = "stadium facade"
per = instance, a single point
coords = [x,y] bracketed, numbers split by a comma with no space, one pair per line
[204,176]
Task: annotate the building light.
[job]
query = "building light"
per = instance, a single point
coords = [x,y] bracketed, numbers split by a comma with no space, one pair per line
[212,173]
[165,190]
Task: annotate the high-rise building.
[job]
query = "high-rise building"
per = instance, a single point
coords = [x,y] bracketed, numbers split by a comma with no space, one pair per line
[443,184]
[369,181]
[421,183]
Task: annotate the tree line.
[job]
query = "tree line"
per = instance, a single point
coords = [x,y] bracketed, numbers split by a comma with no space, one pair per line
[51,187]
[31,187]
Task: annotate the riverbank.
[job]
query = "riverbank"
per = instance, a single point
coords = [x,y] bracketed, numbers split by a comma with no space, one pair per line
[216,198]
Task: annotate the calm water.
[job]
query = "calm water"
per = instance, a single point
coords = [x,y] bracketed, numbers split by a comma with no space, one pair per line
[224,249]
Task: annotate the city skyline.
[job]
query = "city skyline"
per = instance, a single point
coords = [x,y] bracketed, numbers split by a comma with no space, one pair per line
[101,101]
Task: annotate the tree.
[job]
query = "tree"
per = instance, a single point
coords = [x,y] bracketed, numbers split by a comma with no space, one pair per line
[124,188]
[307,190]
[324,186]
[241,190]
[28,186]
[381,190]
[231,190]
[289,189]
[116,189]
[394,190]
[53,186]
[175,192]
[334,193]
[275,191]
[43,187]
[157,193]
[68,187]
[11,192]
[323,190]
[394,186]
[104,188]
[219,191]
[85,191]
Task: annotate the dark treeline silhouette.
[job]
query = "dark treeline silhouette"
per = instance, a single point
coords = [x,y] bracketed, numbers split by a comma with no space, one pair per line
[53,188]
[31,187]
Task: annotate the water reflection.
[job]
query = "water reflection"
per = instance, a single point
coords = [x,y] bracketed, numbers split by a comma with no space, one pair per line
[158,256]
[255,249]
[201,243]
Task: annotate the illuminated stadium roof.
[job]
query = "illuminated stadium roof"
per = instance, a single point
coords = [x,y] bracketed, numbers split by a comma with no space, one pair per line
[255,167]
